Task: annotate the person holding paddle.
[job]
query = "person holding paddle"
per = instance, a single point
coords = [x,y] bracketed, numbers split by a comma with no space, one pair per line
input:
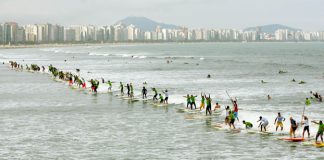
[320,130]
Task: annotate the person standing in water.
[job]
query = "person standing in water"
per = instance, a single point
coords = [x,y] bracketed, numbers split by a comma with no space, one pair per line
[193,101]
[202,104]
[227,111]
[188,100]
[121,86]
[155,94]
[110,85]
[235,109]
[208,102]
[144,93]
[293,127]
[131,90]
[232,119]
[306,126]
[166,94]
[128,90]
[263,123]
[279,121]
[320,130]
[161,98]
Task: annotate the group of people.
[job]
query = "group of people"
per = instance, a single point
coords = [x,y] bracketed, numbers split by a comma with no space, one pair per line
[293,124]
[230,117]
[316,96]
[156,94]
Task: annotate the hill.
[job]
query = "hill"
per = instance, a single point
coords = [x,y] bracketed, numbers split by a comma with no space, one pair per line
[271,28]
[145,24]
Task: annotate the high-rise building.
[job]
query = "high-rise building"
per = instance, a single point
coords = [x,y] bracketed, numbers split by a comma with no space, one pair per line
[30,33]
[20,35]
[69,35]
[1,33]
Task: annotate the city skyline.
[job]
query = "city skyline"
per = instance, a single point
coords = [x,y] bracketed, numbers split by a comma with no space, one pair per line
[13,33]
[191,13]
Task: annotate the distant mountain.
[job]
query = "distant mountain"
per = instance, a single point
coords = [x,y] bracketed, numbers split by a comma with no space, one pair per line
[271,28]
[145,24]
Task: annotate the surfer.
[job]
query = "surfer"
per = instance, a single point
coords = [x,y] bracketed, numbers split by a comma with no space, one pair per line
[202,103]
[263,123]
[306,126]
[232,119]
[248,125]
[269,98]
[128,90]
[161,98]
[235,109]
[188,100]
[208,102]
[155,94]
[227,111]
[293,127]
[262,81]
[110,85]
[144,93]
[166,94]
[131,90]
[193,101]
[121,88]
[320,130]
[279,119]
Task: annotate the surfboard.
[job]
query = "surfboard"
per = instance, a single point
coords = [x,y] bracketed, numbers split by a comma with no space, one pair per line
[318,144]
[299,139]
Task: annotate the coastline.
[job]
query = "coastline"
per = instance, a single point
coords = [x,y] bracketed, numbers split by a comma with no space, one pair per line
[20,46]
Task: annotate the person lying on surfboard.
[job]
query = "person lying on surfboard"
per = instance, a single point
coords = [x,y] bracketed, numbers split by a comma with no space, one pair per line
[320,130]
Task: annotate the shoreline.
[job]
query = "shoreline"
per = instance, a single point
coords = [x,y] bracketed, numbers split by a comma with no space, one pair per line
[21,46]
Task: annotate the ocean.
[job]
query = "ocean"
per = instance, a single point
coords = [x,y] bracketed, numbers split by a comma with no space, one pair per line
[46,119]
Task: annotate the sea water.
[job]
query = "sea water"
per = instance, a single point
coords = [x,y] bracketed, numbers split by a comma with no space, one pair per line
[44,119]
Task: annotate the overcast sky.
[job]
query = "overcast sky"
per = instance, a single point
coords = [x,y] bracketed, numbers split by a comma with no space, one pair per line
[304,14]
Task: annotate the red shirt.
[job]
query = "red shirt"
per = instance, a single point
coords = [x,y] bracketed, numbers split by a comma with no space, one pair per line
[235,107]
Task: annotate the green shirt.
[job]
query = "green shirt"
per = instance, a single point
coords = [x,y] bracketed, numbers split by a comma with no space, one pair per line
[308,102]
[232,116]
[192,98]
[321,128]
[202,99]
[188,99]
[208,102]
[248,124]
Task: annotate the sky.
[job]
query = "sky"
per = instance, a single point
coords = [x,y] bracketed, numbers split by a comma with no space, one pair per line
[303,14]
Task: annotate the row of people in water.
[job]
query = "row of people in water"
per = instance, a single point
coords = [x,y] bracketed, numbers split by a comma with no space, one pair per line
[231,115]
